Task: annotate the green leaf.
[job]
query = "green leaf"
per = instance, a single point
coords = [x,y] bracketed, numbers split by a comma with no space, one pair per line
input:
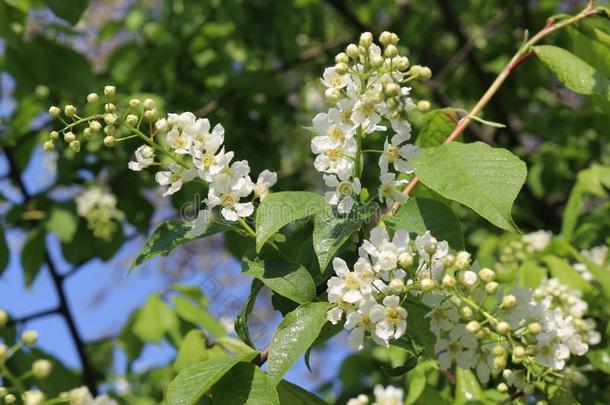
[530,274]
[293,336]
[168,236]
[279,209]
[288,279]
[245,384]
[566,274]
[291,394]
[559,395]
[330,232]
[576,74]
[196,380]
[467,388]
[591,44]
[418,328]
[416,383]
[483,178]
[69,10]
[154,320]
[192,350]
[398,371]
[197,314]
[436,127]
[5,254]
[62,223]
[419,215]
[241,322]
[33,255]
[600,359]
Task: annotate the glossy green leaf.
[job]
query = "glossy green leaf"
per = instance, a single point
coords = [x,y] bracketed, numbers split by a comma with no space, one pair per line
[483,178]
[566,274]
[69,10]
[288,279]
[435,128]
[280,209]
[591,44]
[196,380]
[192,350]
[33,255]
[241,322]
[245,384]
[292,394]
[293,336]
[416,383]
[197,314]
[467,388]
[419,215]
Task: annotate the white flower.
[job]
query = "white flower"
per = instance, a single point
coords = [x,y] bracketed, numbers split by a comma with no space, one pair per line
[266,179]
[388,190]
[343,195]
[96,198]
[398,156]
[80,396]
[145,157]
[550,352]
[429,248]
[538,240]
[33,398]
[388,396]
[347,286]
[390,319]
[385,253]
[483,365]
[366,111]
[359,400]
[524,310]
[175,178]
[332,79]
[200,225]
[443,316]
[227,189]
[459,347]
[359,322]
[332,130]
[180,141]
[338,159]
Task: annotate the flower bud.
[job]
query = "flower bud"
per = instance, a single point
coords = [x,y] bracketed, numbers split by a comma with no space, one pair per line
[425,73]
[53,135]
[396,286]
[109,141]
[131,120]
[92,98]
[449,281]
[486,275]
[95,125]
[29,337]
[385,38]
[54,111]
[109,107]
[462,260]
[342,58]
[70,110]
[499,362]
[69,137]
[3,352]
[352,51]
[469,279]
[377,61]
[502,387]
[134,103]
[366,39]
[466,312]
[341,68]
[405,260]
[75,146]
[391,89]
[503,328]
[87,133]
[534,328]
[448,260]
[148,104]
[423,106]
[9,399]
[518,354]
[473,327]
[41,368]
[401,63]
[390,51]
[161,125]
[498,350]
[3,392]
[32,397]
[109,91]
[150,115]
[506,373]
[109,129]
[491,287]
[427,284]
[394,38]
[509,301]
[48,146]
[332,95]
[3,318]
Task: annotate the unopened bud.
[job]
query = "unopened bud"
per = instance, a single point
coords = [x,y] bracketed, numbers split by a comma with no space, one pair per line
[95,125]
[377,61]
[462,260]
[425,73]
[87,133]
[332,95]
[110,119]
[150,115]
[449,281]
[390,51]
[352,51]
[486,275]
[448,260]
[509,301]
[148,104]
[341,68]
[427,284]
[502,387]
[109,129]
[341,58]
[70,110]
[396,286]
[469,279]
[3,392]
[92,98]
[9,399]
[503,328]
[48,146]
[109,141]
[391,89]
[491,287]
[506,373]
[131,120]
[41,368]
[75,146]
[109,91]
[53,135]
[69,137]
[401,63]
[534,328]
[499,362]
[518,354]
[366,39]
[385,38]
[466,312]
[29,337]
[109,107]
[54,111]
[405,260]
[473,327]
[134,103]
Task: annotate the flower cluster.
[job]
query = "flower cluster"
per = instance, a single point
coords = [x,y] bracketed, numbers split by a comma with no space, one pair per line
[184,147]
[598,255]
[99,209]
[383,396]
[477,324]
[368,92]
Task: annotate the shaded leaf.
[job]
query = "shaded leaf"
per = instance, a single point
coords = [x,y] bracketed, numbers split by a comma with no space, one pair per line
[245,384]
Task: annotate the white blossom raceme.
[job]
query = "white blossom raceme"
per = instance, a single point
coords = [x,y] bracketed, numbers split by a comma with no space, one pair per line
[145,157]
[343,194]
[228,189]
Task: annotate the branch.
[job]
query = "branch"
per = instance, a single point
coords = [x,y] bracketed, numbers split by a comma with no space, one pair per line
[515,61]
